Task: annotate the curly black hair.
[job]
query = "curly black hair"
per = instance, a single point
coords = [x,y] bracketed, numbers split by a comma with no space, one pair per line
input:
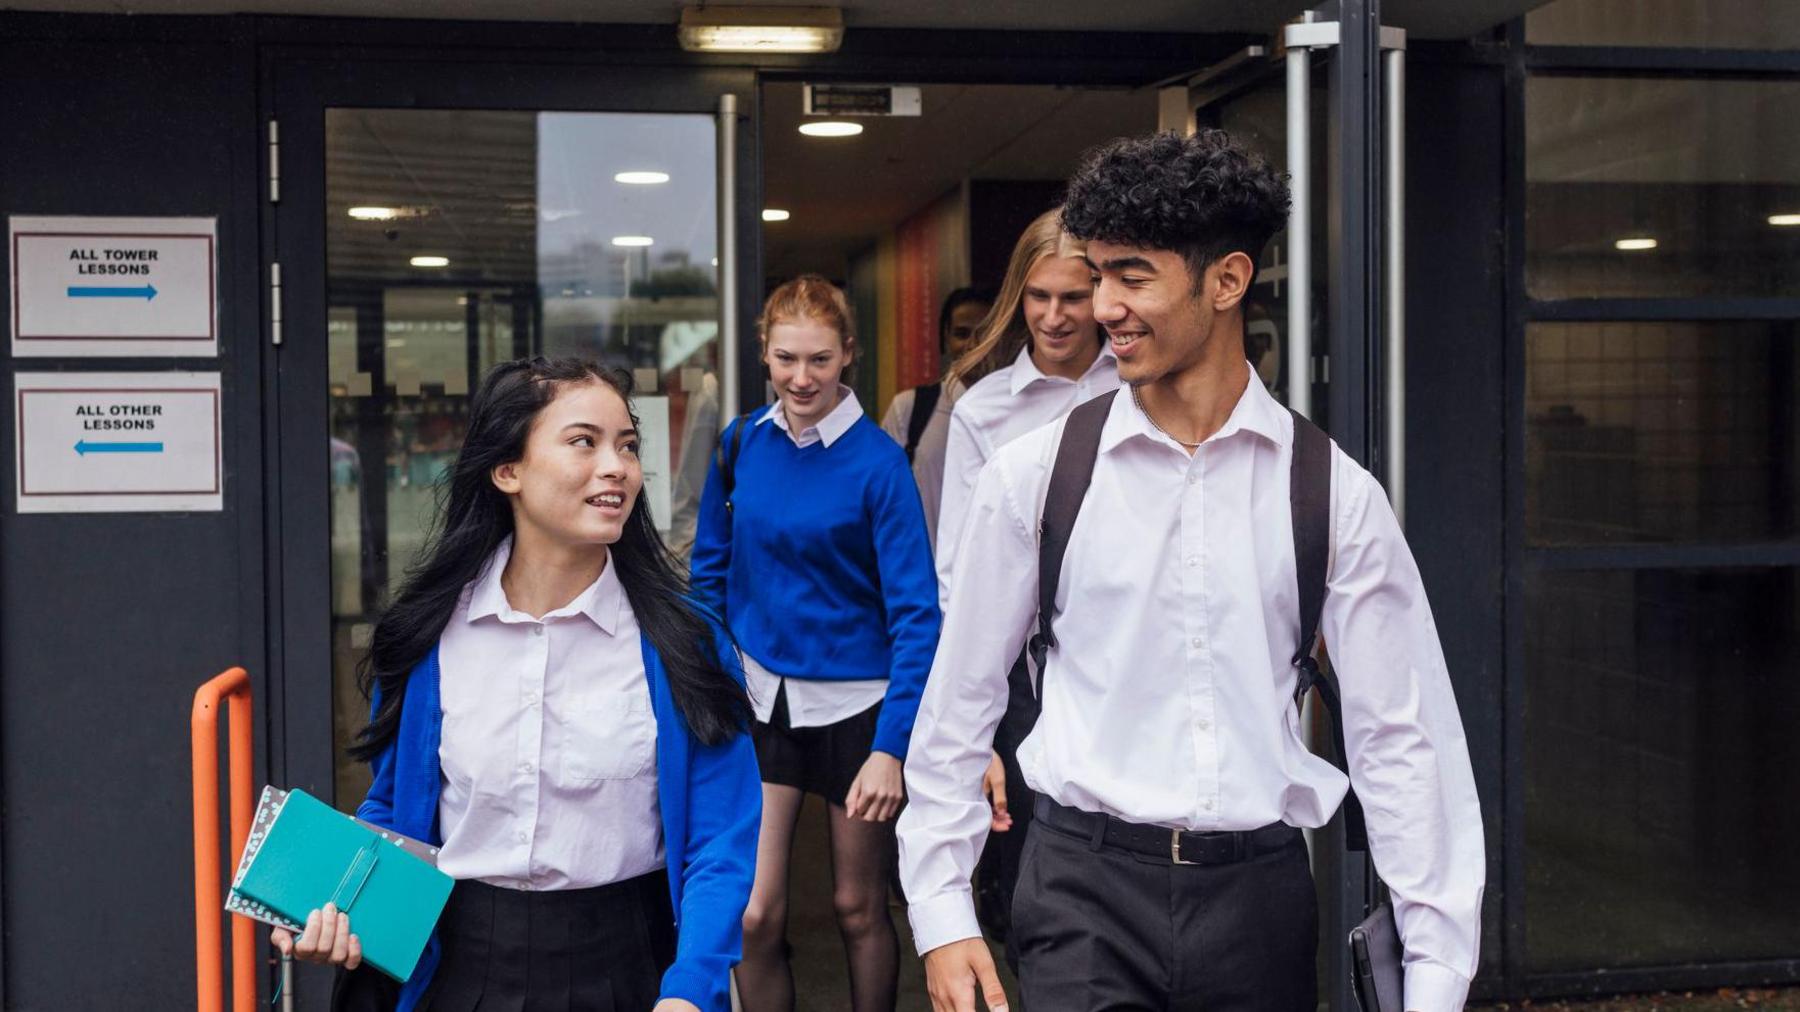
[1203,196]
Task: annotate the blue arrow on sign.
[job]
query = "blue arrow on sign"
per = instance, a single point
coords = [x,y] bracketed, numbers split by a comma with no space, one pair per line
[84,447]
[145,292]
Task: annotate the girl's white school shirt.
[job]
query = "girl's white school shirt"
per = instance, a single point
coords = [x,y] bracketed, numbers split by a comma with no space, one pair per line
[549,743]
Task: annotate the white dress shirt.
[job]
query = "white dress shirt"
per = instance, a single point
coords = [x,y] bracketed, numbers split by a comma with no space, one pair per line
[928,456]
[1169,699]
[813,702]
[548,749]
[1004,405]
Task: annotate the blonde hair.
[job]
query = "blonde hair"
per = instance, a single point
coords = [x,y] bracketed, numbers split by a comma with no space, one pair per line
[1003,330]
[808,297]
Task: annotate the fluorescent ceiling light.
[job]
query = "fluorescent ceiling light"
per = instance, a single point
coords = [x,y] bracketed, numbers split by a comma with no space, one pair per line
[775,214]
[1635,244]
[430,261]
[716,29]
[1784,220]
[831,128]
[374,213]
[632,240]
[641,178]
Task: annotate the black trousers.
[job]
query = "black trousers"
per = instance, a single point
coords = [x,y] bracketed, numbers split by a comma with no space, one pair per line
[1100,928]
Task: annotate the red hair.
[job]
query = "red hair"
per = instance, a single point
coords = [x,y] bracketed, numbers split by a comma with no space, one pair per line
[809,297]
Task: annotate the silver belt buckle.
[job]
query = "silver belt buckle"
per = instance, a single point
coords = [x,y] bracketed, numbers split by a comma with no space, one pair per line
[1175,847]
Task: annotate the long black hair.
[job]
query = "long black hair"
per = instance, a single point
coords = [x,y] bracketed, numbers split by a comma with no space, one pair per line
[473,518]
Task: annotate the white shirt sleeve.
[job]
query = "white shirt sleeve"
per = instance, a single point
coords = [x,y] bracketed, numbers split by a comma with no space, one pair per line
[964,454]
[993,599]
[1409,761]
[899,416]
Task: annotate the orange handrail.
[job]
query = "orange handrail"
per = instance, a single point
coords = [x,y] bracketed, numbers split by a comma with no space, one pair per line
[209,903]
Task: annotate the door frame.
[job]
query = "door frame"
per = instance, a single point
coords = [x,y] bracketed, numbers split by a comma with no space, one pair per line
[299,85]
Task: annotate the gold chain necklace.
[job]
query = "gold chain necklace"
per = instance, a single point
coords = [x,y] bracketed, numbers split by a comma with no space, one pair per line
[1139,401]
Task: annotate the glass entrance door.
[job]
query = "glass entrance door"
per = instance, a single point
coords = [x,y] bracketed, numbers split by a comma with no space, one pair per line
[561,213]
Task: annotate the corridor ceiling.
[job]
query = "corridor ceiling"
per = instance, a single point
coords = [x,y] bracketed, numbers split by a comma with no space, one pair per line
[1436,19]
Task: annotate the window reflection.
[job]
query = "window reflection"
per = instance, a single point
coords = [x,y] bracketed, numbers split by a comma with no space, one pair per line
[1696,168]
[1659,739]
[1661,431]
[519,212]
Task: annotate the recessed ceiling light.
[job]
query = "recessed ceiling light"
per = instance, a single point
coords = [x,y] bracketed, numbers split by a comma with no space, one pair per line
[1784,220]
[751,29]
[632,240]
[1635,244]
[430,261]
[831,128]
[374,213]
[775,214]
[641,178]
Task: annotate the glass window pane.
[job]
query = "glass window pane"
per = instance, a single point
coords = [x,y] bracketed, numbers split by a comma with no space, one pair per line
[1738,24]
[457,239]
[1660,432]
[1660,749]
[1661,188]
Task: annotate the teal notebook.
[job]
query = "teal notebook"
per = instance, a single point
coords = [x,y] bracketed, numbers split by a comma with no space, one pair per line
[302,853]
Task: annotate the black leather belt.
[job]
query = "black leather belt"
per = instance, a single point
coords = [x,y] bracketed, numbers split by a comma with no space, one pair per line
[1172,845]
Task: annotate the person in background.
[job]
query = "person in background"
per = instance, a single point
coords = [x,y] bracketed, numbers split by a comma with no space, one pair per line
[1039,355]
[919,418]
[812,545]
[551,710]
[1166,866]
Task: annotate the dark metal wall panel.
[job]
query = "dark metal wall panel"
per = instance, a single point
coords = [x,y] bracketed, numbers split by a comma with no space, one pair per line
[109,622]
[1456,407]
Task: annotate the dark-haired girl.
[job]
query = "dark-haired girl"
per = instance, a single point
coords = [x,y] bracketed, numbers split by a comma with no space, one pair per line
[817,556]
[551,710]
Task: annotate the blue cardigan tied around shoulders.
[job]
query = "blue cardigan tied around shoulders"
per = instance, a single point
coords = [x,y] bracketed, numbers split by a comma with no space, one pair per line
[711,801]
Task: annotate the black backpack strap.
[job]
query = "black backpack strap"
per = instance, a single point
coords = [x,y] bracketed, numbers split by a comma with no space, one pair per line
[1069,478]
[726,453]
[925,400]
[1309,498]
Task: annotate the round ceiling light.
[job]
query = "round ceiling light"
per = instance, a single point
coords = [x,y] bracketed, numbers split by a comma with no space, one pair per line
[831,128]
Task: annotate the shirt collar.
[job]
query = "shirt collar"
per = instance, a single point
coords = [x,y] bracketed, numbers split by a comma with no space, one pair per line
[1025,372]
[831,427]
[601,601]
[1256,411]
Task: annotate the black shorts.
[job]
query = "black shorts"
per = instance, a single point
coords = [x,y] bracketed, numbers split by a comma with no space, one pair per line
[816,760]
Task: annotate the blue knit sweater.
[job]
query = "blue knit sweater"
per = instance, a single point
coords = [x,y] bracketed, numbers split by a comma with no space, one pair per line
[711,802]
[822,566]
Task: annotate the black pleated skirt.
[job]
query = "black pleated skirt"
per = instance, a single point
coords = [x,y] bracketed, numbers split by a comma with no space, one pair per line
[508,950]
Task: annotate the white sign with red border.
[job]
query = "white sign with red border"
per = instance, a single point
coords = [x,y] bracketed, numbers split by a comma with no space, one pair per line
[118,442]
[116,287]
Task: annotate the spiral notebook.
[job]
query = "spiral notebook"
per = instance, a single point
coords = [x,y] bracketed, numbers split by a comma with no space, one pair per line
[301,854]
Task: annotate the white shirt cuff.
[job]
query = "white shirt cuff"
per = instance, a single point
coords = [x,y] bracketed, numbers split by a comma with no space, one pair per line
[1432,987]
[942,919]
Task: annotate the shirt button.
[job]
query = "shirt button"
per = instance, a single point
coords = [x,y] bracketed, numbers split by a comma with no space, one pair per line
[525,766]
[537,630]
[522,836]
[1193,560]
[1196,642]
[1193,479]
[1207,804]
[531,699]
[1204,724]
